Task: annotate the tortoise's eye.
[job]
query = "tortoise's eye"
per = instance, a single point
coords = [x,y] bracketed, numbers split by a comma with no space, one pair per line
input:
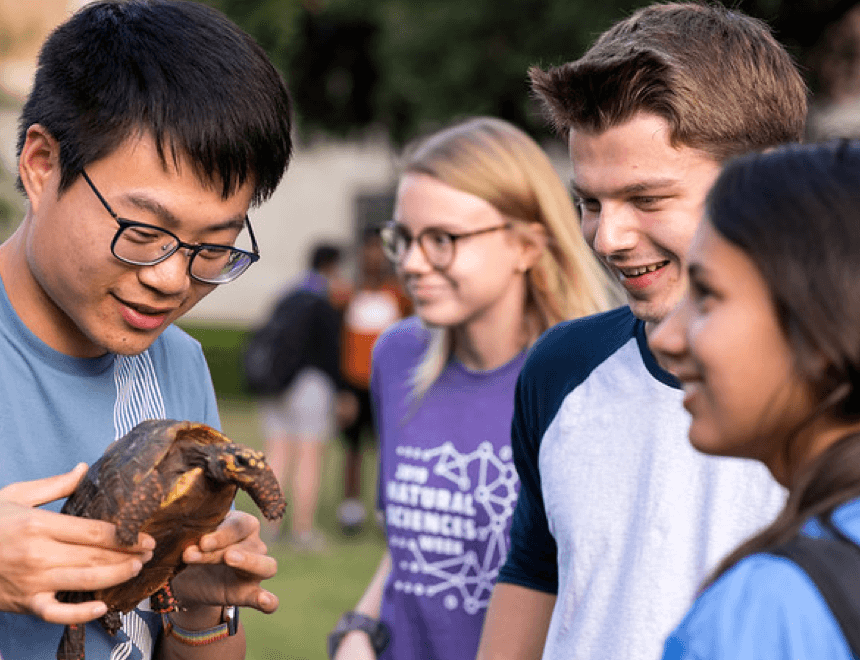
[243,461]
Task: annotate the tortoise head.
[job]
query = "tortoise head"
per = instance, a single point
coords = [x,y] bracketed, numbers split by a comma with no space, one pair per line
[247,468]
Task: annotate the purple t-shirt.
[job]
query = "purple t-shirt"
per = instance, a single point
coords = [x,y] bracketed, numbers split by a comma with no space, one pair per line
[447,487]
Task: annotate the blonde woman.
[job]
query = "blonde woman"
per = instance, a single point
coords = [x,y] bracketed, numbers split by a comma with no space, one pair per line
[486,241]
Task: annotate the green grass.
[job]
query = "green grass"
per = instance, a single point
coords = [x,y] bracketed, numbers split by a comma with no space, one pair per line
[314,590]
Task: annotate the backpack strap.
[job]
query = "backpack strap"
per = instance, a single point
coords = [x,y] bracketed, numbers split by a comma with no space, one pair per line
[834,566]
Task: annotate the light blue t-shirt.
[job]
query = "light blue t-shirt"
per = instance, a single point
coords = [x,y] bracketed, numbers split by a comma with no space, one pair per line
[765,608]
[56,411]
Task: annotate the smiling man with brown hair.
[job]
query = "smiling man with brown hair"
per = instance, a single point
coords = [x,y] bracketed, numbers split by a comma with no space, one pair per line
[618,519]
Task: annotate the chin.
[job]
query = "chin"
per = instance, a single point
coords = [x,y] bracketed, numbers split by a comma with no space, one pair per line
[436,318]
[704,443]
[651,310]
[133,345]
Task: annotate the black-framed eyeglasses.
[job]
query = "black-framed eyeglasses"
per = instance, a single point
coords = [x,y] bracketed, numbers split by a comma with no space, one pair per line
[436,244]
[140,244]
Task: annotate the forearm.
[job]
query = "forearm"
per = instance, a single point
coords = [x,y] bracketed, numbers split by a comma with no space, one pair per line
[201,618]
[370,603]
[356,645]
[516,623]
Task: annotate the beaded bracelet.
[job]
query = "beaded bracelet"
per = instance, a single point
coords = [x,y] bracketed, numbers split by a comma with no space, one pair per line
[204,637]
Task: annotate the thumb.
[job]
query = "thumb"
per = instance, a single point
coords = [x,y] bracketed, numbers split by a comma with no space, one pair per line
[42,491]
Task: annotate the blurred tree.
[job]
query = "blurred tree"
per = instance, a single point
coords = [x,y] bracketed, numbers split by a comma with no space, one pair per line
[408,66]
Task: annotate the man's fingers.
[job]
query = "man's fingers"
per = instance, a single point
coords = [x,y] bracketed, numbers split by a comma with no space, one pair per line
[42,491]
[73,578]
[260,566]
[237,526]
[254,596]
[87,531]
[266,602]
[47,607]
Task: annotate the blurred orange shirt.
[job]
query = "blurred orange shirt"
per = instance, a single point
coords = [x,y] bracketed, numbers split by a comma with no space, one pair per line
[368,313]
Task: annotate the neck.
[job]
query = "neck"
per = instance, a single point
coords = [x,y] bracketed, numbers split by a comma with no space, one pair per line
[822,434]
[32,304]
[487,348]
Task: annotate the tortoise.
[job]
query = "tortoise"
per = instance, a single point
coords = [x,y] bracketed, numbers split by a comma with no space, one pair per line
[174,480]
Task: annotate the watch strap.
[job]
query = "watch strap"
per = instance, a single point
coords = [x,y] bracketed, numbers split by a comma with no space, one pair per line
[378,632]
[227,628]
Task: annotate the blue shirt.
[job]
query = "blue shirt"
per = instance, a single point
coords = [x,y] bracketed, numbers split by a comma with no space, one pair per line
[56,411]
[765,608]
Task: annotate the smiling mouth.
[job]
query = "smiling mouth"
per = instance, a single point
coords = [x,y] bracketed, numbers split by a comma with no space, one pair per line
[145,310]
[641,270]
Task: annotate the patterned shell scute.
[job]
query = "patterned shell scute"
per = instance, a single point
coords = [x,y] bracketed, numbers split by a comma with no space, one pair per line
[125,463]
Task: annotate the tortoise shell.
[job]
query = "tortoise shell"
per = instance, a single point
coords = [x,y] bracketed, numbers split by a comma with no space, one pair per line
[175,481]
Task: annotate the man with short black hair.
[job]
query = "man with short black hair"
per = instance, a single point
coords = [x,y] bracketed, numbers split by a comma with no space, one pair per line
[151,128]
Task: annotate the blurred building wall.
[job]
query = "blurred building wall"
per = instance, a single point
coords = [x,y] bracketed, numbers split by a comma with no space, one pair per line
[24,24]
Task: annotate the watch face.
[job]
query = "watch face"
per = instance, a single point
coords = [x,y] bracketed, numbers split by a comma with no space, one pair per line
[231,617]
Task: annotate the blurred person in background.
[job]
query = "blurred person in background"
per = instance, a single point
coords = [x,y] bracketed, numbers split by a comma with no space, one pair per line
[486,240]
[298,421]
[378,300]
[834,67]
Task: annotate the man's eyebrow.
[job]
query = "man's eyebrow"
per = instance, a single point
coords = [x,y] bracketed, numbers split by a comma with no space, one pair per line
[651,185]
[171,221]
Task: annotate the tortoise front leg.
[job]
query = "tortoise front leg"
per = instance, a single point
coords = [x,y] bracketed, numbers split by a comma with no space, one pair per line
[111,622]
[144,501]
[163,601]
[73,642]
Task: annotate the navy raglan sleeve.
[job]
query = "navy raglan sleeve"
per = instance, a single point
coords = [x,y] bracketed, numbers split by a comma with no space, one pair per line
[561,360]
[532,559]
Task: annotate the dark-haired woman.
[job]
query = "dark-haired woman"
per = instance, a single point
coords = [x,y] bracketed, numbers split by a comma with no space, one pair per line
[767,346]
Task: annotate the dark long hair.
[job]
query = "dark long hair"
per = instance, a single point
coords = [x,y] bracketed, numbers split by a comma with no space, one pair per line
[795,212]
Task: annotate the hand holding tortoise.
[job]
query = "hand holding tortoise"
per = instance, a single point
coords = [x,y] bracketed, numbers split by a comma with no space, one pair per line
[176,481]
[42,552]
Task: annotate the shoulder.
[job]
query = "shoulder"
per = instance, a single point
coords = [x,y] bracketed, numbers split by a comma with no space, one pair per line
[764,607]
[175,338]
[403,339]
[575,348]
[175,348]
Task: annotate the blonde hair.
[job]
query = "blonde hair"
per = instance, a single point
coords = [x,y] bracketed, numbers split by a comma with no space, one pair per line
[496,161]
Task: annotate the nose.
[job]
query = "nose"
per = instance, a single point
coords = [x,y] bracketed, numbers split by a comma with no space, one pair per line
[668,339]
[414,260]
[168,277]
[612,230]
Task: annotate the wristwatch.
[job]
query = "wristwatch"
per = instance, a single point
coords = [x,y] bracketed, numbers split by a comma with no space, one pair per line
[379,633]
[230,616]
[228,627]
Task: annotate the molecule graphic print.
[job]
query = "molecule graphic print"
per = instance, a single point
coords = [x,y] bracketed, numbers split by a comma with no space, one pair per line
[448,515]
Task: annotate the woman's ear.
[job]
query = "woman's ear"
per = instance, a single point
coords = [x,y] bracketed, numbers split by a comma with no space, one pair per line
[38,163]
[533,236]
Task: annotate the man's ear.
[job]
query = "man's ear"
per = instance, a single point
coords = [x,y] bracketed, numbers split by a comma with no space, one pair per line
[38,163]
[534,240]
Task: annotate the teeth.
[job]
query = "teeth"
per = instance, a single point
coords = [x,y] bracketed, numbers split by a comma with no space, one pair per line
[635,272]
